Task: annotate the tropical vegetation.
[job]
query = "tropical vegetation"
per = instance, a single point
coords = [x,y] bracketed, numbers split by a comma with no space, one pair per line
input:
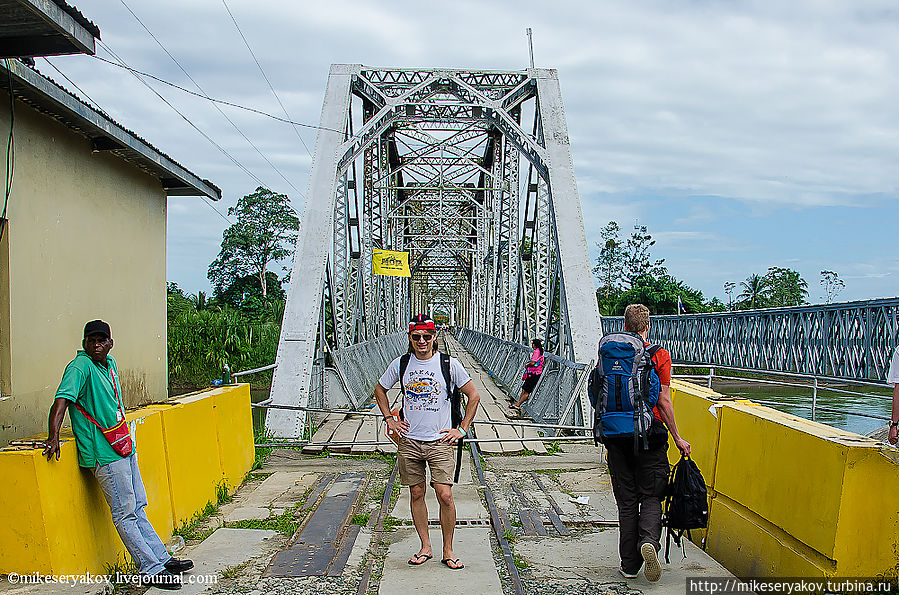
[627,273]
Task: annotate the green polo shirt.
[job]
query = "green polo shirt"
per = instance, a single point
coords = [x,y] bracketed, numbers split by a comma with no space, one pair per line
[94,388]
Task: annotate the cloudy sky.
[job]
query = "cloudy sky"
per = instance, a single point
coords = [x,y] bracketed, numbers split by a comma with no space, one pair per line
[743,134]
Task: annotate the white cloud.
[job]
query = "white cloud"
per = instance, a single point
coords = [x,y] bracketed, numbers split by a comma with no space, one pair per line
[774,108]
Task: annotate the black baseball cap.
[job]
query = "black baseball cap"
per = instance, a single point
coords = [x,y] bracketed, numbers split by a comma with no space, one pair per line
[95,327]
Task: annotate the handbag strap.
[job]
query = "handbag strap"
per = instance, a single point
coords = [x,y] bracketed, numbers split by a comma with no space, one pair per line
[118,402]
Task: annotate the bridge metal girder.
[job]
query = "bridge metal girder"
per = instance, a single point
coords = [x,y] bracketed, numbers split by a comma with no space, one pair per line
[440,154]
[852,340]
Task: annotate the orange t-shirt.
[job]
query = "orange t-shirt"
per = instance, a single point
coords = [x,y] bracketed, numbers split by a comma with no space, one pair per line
[662,361]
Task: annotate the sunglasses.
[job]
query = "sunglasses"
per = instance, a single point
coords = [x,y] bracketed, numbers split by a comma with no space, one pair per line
[421,337]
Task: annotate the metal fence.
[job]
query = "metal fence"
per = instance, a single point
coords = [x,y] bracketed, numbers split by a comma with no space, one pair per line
[852,340]
[554,400]
[360,366]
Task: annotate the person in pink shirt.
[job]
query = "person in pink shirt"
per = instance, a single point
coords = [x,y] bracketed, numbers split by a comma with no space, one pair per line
[532,373]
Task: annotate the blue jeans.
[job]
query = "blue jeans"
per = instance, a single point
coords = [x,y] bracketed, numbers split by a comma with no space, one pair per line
[125,494]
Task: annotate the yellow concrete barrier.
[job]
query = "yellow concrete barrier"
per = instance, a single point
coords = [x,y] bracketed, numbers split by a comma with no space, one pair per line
[54,518]
[234,436]
[790,497]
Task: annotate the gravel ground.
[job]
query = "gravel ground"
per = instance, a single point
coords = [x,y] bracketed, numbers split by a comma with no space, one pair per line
[247,579]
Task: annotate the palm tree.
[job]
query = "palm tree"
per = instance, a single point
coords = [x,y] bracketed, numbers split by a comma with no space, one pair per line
[755,288]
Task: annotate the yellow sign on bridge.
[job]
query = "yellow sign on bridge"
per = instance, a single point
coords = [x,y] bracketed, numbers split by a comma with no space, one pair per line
[390,262]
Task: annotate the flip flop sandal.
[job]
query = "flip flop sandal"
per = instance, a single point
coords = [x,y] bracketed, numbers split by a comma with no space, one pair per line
[420,559]
[455,561]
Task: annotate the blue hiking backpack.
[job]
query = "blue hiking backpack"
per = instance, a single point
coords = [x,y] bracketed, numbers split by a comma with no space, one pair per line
[623,389]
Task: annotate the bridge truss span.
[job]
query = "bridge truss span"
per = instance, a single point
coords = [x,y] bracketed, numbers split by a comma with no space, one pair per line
[470,173]
[853,340]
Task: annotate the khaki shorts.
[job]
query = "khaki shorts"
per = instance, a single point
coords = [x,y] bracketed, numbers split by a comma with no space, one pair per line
[412,455]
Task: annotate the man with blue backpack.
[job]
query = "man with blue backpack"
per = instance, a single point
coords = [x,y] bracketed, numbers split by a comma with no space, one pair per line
[633,414]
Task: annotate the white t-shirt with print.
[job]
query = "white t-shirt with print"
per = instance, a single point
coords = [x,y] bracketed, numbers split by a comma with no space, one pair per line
[893,376]
[426,405]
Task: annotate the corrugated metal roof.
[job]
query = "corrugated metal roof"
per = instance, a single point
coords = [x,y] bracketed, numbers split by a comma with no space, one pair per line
[44,28]
[105,134]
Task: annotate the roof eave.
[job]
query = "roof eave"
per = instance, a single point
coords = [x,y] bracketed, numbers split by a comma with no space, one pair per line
[65,34]
[105,134]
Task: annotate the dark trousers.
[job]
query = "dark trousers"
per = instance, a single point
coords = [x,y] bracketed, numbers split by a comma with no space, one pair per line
[638,482]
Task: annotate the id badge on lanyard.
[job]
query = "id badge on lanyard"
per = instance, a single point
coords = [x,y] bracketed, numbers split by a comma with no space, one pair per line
[118,414]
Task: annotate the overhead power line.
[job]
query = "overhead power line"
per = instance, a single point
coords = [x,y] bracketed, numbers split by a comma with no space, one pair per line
[213,99]
[192,125]
[197,85]
[247,43]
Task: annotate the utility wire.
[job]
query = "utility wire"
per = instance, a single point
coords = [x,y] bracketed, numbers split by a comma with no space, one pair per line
[192,125]
[213,99]
[256,60]
[197,85]
[71,82]
[10,149]
[102,111]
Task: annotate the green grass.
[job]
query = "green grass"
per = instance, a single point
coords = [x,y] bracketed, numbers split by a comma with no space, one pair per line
[287,522]
[552,448]
[520,563]
[261,436]
[391,522]
[509,536]
[230,572]
[121,567]
[257,476]
[360,519]
[191,529]
[222,493]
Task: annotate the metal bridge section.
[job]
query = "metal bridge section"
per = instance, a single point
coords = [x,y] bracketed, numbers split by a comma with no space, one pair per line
[554,399]
[471,173]
[853,340]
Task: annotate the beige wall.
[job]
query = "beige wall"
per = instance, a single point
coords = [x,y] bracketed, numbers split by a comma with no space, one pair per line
[85,240]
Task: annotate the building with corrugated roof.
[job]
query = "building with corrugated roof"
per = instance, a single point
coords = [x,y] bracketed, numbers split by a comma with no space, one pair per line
[83,232]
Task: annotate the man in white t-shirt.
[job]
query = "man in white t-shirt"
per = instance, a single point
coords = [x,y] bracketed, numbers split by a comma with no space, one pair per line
[893,378]
[427,432]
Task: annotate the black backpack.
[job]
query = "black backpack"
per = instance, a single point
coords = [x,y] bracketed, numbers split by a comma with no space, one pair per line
[686,503]
[453,394]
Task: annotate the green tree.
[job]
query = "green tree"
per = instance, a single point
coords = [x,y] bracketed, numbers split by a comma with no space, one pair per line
[246,294]
[660,294]
[609,269]
[755,292]
[638,258]
[787,287]
[833,285]
[265,232]
[716,305]
[177,304]
[729,287]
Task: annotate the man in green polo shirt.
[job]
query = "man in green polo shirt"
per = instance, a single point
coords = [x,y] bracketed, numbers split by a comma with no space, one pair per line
[90,384]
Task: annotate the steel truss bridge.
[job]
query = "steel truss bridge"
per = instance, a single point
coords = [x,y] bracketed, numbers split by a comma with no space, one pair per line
[471,173]
[852,340]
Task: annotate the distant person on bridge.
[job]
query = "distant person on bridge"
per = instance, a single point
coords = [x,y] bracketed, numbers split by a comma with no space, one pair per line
[639,478]
[532,372]
[430,422]
[91,392]
[893,378]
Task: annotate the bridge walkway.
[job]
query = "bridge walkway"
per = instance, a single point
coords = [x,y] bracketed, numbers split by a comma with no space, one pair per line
[361,433]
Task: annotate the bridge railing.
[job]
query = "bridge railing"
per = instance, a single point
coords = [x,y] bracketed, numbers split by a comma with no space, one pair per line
[359,366]
[851,340]
[553,399]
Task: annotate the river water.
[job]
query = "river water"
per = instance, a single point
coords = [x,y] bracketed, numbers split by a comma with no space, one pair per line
[798,401]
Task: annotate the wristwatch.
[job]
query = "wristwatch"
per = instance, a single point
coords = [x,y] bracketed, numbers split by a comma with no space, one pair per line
[894,424]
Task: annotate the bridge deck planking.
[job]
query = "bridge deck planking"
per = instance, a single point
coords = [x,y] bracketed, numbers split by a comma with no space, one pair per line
[346,432]
[324,433]
[368,432]
[493,405]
